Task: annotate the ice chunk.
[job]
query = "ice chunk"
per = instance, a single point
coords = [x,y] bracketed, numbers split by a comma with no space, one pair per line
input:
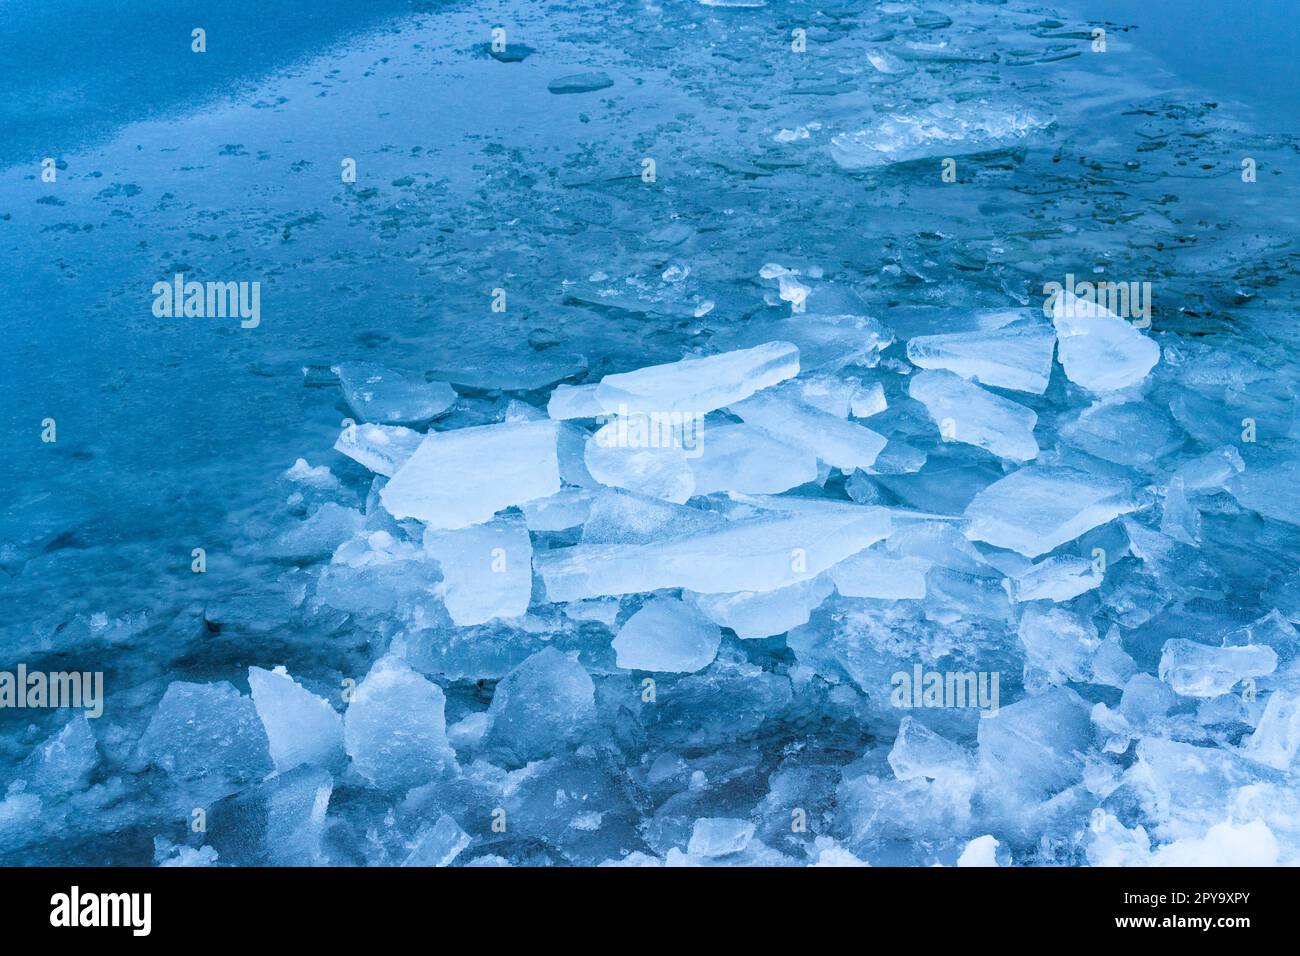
[460,478]
[943,129]
[1270,490]
[756,554]
[301,727]
[981,851]
[746,459]
[868,400]
[381,448]
[825,342]
[1057,578]
[919,752]
[574,401]
[439,844]
[667,635]
[206,729]
[843,444]
[1107,431]
[874,573]
[1058,643]
[378,394]
[1201,670]
[567,508]
[1211,471]
[1038,508]
[631,453]
[579,83]
[487,570]
[1098,349]
[395,728]
[1276,739]
[698,385]
[1033,748]
[968,414]
[1017,356]
[719,836]
[764,614]
[63,763]
[541,706]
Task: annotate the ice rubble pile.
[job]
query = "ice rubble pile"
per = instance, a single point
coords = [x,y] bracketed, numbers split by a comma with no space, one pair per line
[659,617]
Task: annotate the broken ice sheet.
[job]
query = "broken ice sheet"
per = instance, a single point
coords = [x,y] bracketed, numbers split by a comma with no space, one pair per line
[301,727]
[486,569]
[966,413]
[1039,508]
[843,444]
[381,448]
[669,635]
[459,478]
[388,397]
[1016,354]
[943,129]
[1098,349]
[395,729]
[631,453]
[697,385]
[747,459]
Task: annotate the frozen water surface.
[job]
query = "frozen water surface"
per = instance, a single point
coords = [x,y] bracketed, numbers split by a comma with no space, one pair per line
[644,430]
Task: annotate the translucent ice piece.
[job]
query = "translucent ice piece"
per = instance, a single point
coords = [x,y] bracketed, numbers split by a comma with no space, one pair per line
[668,635]
[1202,670]
[438,844]
[395,728]
[879,574]
[301,727]
[843,444]
[381,448]
[745,458]
[756,554]
[1098,349]
[541,706]
[640,460]
[574,401]
[1276,739]
[1037,509]
[919,752]
[698,385]
[385,396]
[486,570]
[459,478]
[966,413]
[1058,578]
[765,613]
[825,342]
[1017,356]
[719,836]
[944,129]
[206,729]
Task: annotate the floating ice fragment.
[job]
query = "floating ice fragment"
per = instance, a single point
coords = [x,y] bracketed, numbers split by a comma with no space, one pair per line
[1039,508]
[540,706]
[843,444]
[579,83]
[486,570]
[697,385]
[439,844]
[944,129]
[667,635]
[1276,739]
[1201,670]
[206,729]
[1098,349]
[574,401]
[634,454]
[767,613]
[919,752]
[825,342]
[1016,356]
[719,836]
[381,448]
[1056,578]
[395,729]
[756,554]
[968,414]
[878,574]
[1270,490]
[382,395]
[300,727]
[868,400]
[459,478]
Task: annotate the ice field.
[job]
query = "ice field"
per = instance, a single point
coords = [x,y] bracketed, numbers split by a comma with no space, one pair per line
[647,433]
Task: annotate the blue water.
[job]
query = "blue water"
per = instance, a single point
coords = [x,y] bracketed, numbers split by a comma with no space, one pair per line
[175,434]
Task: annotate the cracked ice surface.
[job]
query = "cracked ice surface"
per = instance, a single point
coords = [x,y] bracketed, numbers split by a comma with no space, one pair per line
[774,484]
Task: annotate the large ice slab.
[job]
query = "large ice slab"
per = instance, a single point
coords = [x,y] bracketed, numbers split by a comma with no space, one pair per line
[487,570]
[698,385]
[301,727]
[382,395]
[757,614]
[1016,356]
[845,445]
[943,129]
[459,478]
[1039,508]
[762,553]
[667,635]
[966,413]
[1098,349]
